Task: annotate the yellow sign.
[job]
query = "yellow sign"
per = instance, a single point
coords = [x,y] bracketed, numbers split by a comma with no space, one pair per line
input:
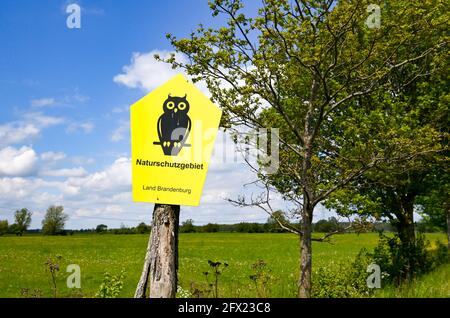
[173,130]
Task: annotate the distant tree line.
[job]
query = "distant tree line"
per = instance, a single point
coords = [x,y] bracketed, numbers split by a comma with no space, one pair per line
[52,224]
[55,218]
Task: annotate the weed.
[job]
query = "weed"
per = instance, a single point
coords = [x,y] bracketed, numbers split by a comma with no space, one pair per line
[111,285]
[261,277]
[53,268]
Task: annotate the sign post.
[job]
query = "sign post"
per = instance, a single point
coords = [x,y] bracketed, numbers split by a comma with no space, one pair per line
[173,130]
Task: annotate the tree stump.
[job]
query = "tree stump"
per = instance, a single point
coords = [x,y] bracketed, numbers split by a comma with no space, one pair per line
[161,260]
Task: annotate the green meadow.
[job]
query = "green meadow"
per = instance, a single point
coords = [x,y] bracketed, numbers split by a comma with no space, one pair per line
[23,271]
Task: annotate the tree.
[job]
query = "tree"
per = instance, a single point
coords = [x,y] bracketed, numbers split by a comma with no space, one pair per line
[326,226]
[101,228]
[210,228]
[22,220]
[435,203]
[276,222]
[397,189]
[54,221]
[142,228]
[296,66]
[187,226]
[4,227]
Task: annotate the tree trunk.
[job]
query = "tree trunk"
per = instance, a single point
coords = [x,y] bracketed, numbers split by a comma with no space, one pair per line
[161,261]
[405,227]
[406,232]
[304,286]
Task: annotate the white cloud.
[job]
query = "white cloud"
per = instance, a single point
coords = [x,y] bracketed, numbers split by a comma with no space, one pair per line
[147,73]
[120,132]
[105,196]
[33,193]
[27,128]
[43,121]
[43,102]
[14,188]
[84,127]
[53,156]
[116,176]
[107,211]
[81,160]
[67,172]
[63,101]
[17,162]
[14,133]
[106,192]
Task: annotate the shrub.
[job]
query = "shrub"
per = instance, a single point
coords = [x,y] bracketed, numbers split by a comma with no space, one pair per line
[187,226]
[326,226]
[143,228]
[402,262]
[3,227]
[210,228]
[440,255]
[111,285]
[349,280]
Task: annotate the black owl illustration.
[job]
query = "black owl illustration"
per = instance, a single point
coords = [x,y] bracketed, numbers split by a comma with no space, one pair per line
[174,125]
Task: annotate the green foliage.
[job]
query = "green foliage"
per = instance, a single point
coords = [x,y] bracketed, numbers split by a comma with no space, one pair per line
[435,284]
[434,204]
[111,286]
[425,225]
[333,87]
[101,228]
[316,72]
[187,226]
[261,277]
[53,268]
[22,220]
[344,280]
[401,263]
[143,228]
[210,228]
[54,221]
[124,230]
[183,293]
[326,226]
[273,222]
[440,254]
[4,227]
[245,227]
[23,259]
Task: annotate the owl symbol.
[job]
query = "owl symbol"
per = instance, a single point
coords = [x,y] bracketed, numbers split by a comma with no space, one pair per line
[174,125]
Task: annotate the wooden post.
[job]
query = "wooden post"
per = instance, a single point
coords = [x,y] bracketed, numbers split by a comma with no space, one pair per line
[161,260]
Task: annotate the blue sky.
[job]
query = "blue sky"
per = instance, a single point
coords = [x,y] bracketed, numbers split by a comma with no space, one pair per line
[64,120]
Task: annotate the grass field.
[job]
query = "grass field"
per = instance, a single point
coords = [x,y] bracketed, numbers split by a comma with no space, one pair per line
[22,262]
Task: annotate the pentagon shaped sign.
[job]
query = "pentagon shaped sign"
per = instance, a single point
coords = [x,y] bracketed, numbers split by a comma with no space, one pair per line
[173,130]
